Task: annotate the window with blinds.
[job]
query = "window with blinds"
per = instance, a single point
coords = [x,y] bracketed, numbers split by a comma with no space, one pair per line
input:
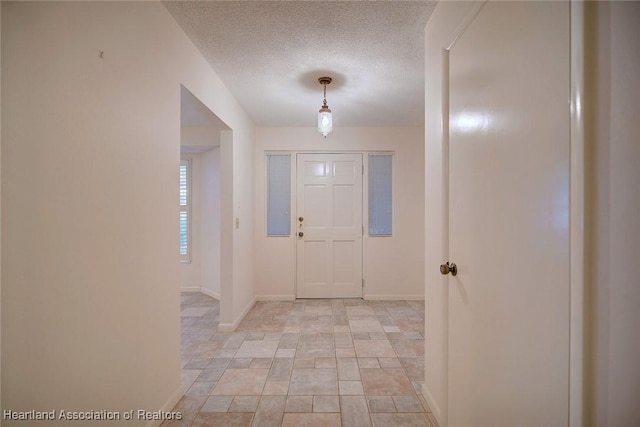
[278,194]
[380,194]
[185,209]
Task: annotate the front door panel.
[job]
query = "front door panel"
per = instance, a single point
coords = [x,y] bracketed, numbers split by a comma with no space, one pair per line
[329,225]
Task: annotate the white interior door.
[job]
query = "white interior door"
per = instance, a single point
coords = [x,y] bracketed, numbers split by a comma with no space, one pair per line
[329,225]
[509,217]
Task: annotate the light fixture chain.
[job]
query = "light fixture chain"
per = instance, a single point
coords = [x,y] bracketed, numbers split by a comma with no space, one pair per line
[324,101]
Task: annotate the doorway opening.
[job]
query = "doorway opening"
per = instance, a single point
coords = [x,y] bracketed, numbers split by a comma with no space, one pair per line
[202,185]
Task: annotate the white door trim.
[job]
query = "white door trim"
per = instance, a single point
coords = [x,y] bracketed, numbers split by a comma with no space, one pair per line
[576,217]
[438,140]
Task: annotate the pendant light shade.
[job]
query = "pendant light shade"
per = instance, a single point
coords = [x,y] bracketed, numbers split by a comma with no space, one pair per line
[325,119]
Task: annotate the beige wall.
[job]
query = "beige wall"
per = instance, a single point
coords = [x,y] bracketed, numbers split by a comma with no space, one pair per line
[90,154]
[210,211]
[613,191]
[202,274]
[191,271]
[243,285]
[392,265]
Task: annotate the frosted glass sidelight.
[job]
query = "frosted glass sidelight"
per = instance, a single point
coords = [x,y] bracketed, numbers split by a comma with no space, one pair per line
[380,194]
[278,194]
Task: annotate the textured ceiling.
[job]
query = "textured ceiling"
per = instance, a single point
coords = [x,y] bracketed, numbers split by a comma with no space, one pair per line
[271,53]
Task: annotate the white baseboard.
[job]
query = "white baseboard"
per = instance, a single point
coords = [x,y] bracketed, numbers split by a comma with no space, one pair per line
[201,290]
[435,409]
[290,297]
[230,327]
[210,293]
[169,404]
[378,297]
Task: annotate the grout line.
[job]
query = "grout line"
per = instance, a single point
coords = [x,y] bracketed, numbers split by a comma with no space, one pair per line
[393,313]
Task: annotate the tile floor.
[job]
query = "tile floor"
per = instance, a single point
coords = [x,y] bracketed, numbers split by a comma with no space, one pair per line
[338,362]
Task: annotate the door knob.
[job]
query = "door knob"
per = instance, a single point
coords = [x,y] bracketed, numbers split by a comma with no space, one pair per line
[449,268]
[300,234]
[300,219]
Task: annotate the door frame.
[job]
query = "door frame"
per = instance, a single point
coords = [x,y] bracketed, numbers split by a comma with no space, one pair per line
[365,213]
[458,16]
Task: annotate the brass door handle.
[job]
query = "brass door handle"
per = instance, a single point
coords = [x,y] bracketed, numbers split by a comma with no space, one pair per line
[300,234]
[449,268]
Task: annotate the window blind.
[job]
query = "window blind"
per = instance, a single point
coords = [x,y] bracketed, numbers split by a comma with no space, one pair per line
[185,203]
[278,194]
[380,194]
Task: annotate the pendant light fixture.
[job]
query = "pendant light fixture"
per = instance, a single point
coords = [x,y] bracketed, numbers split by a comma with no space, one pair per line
[325,120]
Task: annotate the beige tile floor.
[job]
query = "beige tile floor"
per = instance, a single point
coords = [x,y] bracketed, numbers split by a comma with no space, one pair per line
[337,362]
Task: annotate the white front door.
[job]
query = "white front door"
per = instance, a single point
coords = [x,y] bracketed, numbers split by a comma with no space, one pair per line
[509,217]
[329,225]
